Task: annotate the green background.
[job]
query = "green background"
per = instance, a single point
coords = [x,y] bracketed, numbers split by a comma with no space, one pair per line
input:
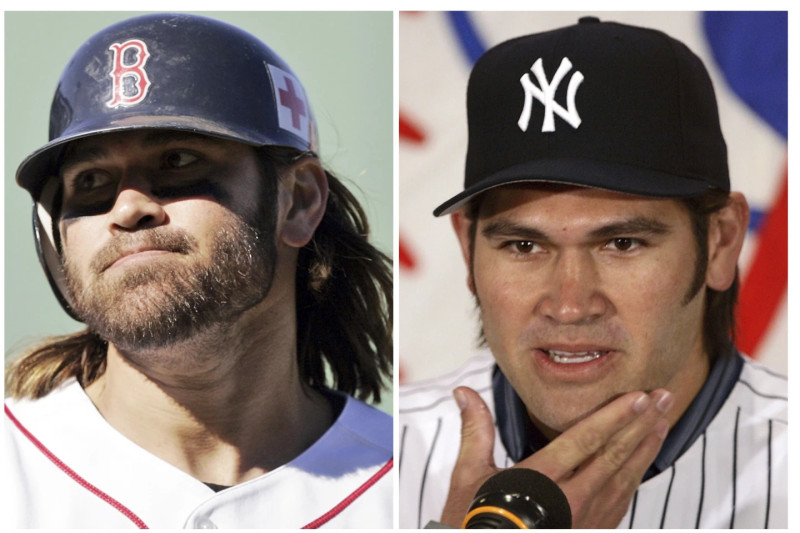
[344,59]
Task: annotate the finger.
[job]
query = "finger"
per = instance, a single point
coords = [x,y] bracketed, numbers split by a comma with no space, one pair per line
[617,452]
[629,475]
[628,453]
[606,507]
[582,441]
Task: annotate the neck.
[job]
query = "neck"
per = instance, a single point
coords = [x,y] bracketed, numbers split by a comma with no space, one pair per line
[686,384]
[225,407]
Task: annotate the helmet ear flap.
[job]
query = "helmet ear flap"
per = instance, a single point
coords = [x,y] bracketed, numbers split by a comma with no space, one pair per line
[48,242]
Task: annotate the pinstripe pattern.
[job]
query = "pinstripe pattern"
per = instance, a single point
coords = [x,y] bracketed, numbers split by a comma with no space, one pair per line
[769,473]
[702,491]
[666,499]
[427,464]
[632,511]
[733,466]
[735,474]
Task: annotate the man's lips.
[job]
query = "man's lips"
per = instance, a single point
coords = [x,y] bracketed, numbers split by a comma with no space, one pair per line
[135,254]
[559,356]
[144,245]
[571,355]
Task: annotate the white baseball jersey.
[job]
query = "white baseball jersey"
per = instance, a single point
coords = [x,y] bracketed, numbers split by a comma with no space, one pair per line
[734,475]
[68,468]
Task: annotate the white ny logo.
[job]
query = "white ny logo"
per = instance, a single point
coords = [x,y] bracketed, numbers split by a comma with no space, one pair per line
[546,93]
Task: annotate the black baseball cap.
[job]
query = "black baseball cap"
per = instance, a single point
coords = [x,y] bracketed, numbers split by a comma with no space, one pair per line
[596,104]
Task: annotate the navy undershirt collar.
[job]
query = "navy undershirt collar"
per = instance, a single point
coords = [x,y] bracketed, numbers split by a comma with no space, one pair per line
[217,488]
[521,438]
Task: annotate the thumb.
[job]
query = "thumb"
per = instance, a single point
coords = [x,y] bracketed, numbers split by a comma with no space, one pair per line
[475,463]
[476,454]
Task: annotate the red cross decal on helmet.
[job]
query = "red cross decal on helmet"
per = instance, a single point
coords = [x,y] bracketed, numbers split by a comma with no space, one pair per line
[290,102]
[290,99]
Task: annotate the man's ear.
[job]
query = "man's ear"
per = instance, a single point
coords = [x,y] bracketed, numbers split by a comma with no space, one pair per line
[726,232]
[461,224]
[302,197]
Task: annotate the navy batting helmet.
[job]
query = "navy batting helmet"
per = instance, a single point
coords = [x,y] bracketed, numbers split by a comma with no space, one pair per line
[164,71]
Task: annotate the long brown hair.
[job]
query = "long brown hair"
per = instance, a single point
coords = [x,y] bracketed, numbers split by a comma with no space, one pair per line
[344,309]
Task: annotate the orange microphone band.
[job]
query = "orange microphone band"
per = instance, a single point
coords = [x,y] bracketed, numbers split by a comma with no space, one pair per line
[491,509]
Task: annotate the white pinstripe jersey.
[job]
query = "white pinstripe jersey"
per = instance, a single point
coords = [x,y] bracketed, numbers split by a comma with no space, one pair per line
[734,475]
[66,467]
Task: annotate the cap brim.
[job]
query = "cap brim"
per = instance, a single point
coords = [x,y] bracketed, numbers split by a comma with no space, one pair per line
[583,173]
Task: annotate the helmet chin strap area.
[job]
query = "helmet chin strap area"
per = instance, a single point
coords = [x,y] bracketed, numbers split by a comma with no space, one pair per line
[44,230]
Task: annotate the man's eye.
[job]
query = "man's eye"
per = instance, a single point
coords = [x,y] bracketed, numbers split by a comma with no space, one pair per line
[179,158]
[624,244]
[522,247]
[91,180]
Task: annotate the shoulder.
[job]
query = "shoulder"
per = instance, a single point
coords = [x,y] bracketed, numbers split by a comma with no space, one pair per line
[51,424]
[738,467]
[57,454]
[436,395]
[427,408]
[761,392]
[366,424]
[27,416]
[758,399]
[762,380]
[359,442]
[348,471]
[430,430]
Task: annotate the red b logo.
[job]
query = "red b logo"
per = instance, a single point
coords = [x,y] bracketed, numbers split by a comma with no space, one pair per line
[133,73]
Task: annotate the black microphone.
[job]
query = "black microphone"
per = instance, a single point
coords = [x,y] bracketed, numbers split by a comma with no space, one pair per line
[519,498]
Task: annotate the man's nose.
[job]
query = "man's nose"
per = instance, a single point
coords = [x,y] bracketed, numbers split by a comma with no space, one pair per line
[573,292]
[136,206]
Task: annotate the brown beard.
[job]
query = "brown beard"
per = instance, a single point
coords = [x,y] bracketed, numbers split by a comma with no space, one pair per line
[164,302]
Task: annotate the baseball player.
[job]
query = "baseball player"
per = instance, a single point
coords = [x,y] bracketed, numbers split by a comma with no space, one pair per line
[237,317]
[601,240]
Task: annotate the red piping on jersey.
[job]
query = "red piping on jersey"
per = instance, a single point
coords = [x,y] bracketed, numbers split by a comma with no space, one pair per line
[342,505]
[74,475]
